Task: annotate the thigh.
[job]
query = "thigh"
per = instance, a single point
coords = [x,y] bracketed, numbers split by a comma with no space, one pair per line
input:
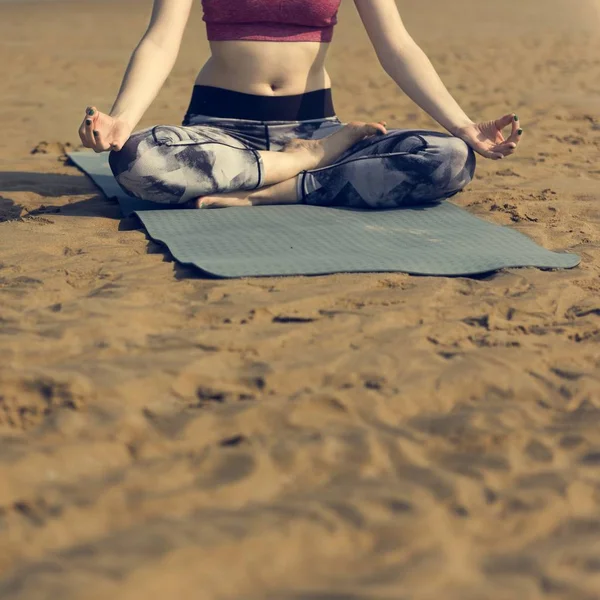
[196,135]
[395,141]
[252,134]
[280,134]
[174,163]
[162,142]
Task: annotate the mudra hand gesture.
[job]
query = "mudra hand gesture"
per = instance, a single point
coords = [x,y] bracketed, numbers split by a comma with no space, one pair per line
[102,132]
[486,138]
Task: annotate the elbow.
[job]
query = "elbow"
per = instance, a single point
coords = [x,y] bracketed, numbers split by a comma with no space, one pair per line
[169,47]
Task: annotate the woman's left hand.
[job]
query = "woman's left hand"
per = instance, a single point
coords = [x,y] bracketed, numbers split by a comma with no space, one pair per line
[487,139]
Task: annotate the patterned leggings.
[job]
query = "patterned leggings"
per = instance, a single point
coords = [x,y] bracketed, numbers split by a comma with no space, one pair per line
[210,155]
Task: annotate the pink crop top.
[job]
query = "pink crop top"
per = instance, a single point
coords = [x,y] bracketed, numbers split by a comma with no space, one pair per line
[270,20]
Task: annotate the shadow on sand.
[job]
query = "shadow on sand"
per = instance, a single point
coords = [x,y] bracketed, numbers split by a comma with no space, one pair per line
[56,185]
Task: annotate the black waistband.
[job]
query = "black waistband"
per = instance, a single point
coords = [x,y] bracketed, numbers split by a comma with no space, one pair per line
[220,102]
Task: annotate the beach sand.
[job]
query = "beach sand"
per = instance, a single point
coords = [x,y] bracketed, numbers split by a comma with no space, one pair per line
[344,437]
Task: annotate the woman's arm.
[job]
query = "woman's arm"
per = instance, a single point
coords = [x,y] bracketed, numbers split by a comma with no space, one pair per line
[149,66]
[405,62]
[152,60]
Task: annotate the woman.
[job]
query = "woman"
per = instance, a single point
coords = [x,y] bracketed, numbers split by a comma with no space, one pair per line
[259,132]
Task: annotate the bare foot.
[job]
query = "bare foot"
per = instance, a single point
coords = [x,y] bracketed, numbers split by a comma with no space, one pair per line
[240,198]
[284,192]
[326,150]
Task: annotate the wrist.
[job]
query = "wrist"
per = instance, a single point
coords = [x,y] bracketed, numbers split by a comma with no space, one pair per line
[460,128]
[124,118]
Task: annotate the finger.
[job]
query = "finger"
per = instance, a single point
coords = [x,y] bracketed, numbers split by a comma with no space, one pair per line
[506,153]
[514,136]
[380,125]
[88,136]
[516,133]
[375,129]
[82,134]
[91,116]
[493,155]
[505,121]
[506,148]
[101,145]
[116,142]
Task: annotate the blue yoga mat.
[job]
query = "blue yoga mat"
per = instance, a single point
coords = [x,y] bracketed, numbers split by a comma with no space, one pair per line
[442,239]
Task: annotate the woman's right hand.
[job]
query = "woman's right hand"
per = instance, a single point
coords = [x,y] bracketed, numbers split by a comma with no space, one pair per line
[102,132]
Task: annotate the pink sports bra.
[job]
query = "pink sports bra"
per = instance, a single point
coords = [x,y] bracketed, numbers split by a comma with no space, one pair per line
[270,20]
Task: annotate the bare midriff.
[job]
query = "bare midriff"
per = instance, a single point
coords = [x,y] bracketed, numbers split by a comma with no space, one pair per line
[266,68]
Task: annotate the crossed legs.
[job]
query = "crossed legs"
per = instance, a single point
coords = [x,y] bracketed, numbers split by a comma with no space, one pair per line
[358,165]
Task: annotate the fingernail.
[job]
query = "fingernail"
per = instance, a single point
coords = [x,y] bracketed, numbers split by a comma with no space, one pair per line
[516,118]
[88,121]
[90,111]
[519,131]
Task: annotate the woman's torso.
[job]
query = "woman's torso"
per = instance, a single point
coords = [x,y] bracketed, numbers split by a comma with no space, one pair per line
[243,57]
[266,68]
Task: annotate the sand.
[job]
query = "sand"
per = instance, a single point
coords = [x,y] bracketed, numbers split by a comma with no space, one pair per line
[373,436]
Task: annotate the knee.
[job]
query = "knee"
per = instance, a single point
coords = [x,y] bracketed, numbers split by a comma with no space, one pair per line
[460,161]
[122,161]
[136,167]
